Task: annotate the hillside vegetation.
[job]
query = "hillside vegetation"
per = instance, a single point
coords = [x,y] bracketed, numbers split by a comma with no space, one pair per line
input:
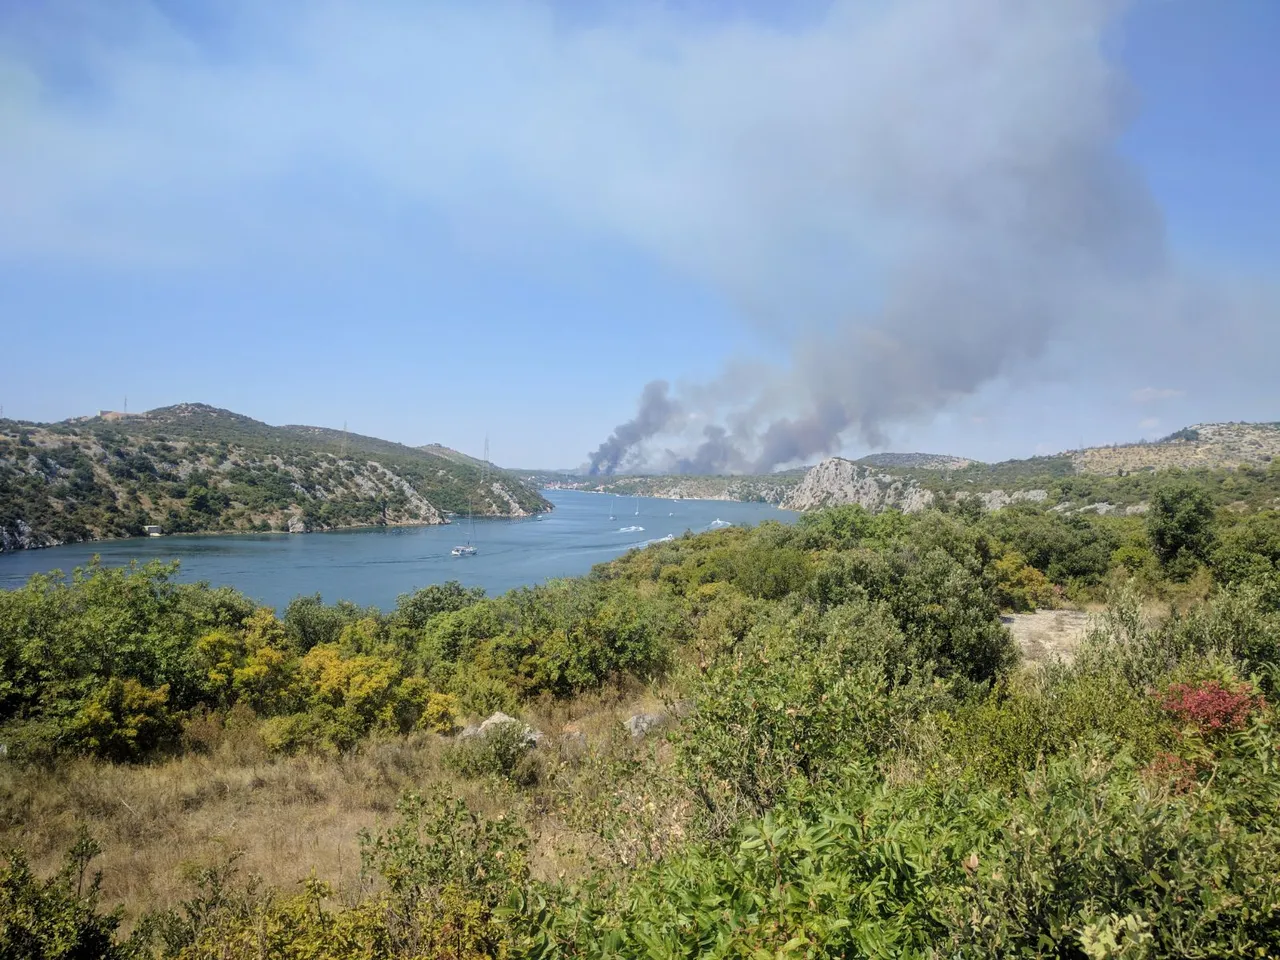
[915,461]
[1211,445]
[197,468]
[832,748]
[771,488]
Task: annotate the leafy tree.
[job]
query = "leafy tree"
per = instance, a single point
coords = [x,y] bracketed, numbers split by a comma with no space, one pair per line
[1180,524]
[1018,585]
[413,610]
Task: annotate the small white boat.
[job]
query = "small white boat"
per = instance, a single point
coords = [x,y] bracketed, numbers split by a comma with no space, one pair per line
[468,549]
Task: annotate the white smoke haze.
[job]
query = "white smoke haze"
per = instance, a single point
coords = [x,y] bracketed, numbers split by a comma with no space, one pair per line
[961,156]
[906,200]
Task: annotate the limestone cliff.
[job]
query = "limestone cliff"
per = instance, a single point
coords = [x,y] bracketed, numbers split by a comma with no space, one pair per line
[837,481]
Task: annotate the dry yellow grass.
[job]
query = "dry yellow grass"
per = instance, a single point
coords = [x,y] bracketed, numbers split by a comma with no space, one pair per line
[287,817]
[156,823]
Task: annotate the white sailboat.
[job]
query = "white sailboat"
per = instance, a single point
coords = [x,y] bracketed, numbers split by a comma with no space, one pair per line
[468,549]
[613,512]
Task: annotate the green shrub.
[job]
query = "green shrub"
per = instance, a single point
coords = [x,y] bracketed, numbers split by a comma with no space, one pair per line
[790,707]
[124,721]
[1180,526]
[448,873]
[1000,738]
[322,729]
[1019,586]
[504,750]
[57,917]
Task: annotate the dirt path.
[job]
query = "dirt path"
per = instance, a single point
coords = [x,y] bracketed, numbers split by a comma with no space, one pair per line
[1048,633]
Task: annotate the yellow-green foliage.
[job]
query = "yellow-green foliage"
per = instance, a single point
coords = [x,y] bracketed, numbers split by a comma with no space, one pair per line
[252,665]
[1018,585]
[439,713]
[123,720]
[365,686]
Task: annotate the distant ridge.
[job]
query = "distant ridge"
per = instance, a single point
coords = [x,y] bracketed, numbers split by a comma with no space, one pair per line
[457,456]
[194,467]
[1201,445]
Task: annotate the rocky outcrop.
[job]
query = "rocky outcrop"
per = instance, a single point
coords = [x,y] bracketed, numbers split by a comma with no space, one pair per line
[500,720]
[18,535]
[504,495]
[998,499]
[416,506]
[915,461]
[642,723]
[836,482]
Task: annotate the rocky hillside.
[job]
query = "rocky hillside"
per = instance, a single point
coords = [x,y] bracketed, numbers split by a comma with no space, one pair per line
[1202,445]
[915,461]
[193,467]
[837,481]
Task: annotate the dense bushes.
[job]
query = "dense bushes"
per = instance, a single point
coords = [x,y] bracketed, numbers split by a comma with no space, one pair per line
[861,766]
[111,661]
[796,703]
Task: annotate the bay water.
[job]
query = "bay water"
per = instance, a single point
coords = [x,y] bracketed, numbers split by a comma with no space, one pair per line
[373,566]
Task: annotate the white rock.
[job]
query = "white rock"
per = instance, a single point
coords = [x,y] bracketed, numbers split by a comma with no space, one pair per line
[642,723]
[836,481]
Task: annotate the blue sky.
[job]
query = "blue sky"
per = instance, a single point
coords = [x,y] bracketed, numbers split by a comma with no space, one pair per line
[969,228]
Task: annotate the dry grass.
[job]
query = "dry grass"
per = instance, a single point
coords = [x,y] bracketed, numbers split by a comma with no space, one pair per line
[156,823]
[1048,634]
[290,817]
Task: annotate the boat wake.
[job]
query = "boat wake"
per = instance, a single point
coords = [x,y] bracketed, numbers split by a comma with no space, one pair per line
[632,530]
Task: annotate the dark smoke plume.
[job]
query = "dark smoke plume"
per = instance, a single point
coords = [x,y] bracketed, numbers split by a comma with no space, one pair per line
[716,454]
[657,411]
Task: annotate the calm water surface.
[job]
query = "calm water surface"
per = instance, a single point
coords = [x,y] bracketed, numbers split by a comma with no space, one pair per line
[374,566]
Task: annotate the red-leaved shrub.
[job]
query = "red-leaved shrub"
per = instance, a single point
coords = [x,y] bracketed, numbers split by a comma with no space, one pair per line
[1210,706]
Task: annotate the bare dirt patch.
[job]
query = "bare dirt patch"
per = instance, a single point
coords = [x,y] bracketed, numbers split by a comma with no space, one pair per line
[1046,634]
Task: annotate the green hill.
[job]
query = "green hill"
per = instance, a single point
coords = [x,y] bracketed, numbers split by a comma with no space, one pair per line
[192,467]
